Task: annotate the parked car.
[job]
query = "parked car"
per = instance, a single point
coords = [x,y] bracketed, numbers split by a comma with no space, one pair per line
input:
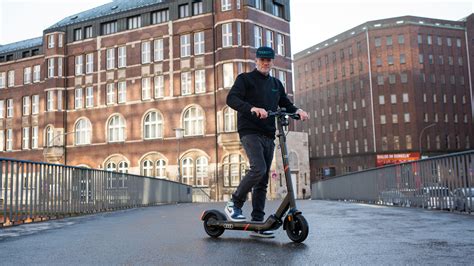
[393,197]
[464,199]
[434,198]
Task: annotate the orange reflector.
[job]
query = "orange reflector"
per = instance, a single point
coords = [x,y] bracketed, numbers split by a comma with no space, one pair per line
[290,218]
[246,227]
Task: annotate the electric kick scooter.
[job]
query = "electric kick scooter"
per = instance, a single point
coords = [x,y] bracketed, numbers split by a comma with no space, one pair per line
[296,226]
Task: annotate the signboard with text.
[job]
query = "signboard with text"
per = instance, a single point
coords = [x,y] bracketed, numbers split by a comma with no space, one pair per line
[395,158]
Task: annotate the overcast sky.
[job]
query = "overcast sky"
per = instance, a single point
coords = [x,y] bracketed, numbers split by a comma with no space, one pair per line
[311,21]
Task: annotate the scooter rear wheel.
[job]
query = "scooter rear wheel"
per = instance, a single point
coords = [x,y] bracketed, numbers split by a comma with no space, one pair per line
[212,231]
[300,230]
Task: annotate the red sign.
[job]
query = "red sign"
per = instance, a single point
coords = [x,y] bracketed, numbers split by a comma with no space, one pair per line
[395,158]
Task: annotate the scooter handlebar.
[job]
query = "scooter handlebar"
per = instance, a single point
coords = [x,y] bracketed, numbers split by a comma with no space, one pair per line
[280,113]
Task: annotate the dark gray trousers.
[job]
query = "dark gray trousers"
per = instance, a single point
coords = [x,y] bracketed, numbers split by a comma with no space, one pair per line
[259,151]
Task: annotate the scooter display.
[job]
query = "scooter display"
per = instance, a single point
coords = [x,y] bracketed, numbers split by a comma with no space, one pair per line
[293,221]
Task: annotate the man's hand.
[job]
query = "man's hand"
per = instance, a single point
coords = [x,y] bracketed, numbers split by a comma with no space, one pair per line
[303,115]
[259,112]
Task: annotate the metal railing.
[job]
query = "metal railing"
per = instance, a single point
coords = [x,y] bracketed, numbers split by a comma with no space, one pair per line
[33,191]
[199,195]
[442,182]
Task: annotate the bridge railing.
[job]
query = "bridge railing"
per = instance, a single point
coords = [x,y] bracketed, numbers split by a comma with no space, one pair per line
[33,191]
[442,182]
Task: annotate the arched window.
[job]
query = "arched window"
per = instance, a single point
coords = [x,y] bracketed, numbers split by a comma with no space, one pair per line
[230,120]
[112,167]
[234,169]
[147,168]
[193,121]
[123,167]
[153,126]
[49,136]
[201,171]
[83,132]
[160,168]
[187,171]
[116,129]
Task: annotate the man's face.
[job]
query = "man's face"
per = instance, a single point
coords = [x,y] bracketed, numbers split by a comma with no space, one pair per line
[264,65]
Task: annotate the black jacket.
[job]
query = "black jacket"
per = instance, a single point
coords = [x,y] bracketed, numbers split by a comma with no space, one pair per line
[253,89]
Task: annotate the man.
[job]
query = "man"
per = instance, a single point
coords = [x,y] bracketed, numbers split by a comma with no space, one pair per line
[252,95]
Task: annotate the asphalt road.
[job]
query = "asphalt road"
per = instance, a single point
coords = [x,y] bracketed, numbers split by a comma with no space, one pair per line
[340,233]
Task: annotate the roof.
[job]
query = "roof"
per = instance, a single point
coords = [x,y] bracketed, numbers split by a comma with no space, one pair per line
[117,6]
[38,41]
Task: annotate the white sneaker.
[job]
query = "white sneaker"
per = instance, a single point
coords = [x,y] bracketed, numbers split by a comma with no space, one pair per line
[234,213]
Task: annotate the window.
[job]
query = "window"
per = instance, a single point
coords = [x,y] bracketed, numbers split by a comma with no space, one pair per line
[384,143]
[234,167]
[184,11]
[258,37]
[122,56]
[200,81]
[405,97]
[50,67]
[186,83]
[78,65]
[161,167]
[378,61]
[281,44]
[197,8]
[389,40]
[158,50]
[11,77]
[420,39]
[159,86]
[116,129]
[439,40]
[381,99]
[199,43]
[226,5]
[89,97]
[460,61]
[9,145]
[9,108]
[160,16]
[429,40]
[259,4]
[378,42]
[401,39]
[146,89]
[201,170]
[282,78]
[2,109]
[60,67]
[228,75]
[226,34]
[88,32]
[448,41]
[239,33]
[2,80]
[26,105]
[134,22]
[153,125]
[27,75]
[77,34]
[230,120]
[187,171]
[185,45]
[146,53]
[34,137]
[34,105]
[458,42]
[404,77]
[110,93]
[406,117]
[450,60]
[430,59]
[89,63]
[122,91]
[78,99]
[51,41]
[394,118]
[83,132]
[110,58]
[147,168]
[193,121]
[60,100]
[269,38]
[420,58]
[109,27]
[393,98]
[402,59]
[36,74]
[390,59]
[391,78]
[380,80]
[49,136]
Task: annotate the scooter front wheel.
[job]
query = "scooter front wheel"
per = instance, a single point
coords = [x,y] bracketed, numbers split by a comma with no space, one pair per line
[212,231]
[298,231]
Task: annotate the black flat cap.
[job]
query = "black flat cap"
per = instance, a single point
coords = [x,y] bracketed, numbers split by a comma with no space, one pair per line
[265,52]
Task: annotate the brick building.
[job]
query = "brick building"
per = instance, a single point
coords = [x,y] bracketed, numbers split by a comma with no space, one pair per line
[387,89]
[109,87]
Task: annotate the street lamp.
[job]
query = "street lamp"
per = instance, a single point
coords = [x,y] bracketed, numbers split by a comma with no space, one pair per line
[421,134]
[179,135]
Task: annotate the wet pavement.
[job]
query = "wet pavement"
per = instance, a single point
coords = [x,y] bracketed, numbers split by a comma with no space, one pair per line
[340,233]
